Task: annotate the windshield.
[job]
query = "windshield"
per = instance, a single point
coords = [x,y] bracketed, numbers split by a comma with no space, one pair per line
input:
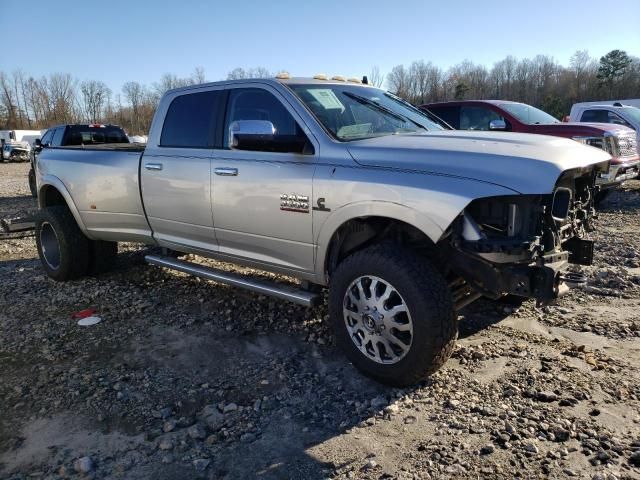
[351,112]
[633,113]
[528,114]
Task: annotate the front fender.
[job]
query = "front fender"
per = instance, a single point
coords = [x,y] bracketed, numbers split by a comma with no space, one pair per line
[427,202]
[51,181]
[370,208]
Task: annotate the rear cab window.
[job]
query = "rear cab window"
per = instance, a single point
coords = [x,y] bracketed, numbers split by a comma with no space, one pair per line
[94,135]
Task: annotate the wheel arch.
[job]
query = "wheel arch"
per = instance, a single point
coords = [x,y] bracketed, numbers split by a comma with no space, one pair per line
[52,192]
[355,226]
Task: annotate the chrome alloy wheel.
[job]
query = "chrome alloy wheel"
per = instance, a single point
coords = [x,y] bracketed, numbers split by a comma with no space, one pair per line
[377,319]
[49,244]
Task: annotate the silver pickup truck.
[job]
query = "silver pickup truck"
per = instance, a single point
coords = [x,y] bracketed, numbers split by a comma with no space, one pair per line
[339,185]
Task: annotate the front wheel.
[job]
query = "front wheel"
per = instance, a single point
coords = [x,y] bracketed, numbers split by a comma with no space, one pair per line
[392,314]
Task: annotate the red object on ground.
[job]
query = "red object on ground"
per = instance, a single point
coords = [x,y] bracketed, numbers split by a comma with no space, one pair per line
[83,313]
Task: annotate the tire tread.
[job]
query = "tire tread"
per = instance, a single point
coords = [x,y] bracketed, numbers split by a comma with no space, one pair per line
[436,299]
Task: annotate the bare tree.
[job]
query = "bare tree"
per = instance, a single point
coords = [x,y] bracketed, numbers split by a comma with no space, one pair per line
[134,93]
[95,95]
[198,76]
[240,73]
[399,81]
[8,102]
[375,77]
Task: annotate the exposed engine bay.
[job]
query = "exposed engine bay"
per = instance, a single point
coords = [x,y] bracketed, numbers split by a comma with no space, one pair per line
[522,244]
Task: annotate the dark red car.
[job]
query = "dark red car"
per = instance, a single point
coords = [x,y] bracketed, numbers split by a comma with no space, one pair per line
[501,115]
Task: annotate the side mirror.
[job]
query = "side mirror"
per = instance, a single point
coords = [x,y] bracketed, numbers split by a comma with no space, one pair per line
[261,135]
[38,142]
[497,125]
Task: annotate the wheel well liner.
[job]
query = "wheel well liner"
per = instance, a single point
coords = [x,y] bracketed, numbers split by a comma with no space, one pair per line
[360,232]
[53,192]
[50,196]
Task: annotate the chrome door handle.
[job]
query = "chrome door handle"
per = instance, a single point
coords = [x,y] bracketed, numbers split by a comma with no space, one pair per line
[153,166]
[225,171]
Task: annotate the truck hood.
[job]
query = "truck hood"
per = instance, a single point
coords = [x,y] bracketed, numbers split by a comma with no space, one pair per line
[522,162]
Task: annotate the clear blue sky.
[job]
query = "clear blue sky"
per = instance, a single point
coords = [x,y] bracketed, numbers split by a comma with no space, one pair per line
[116,41]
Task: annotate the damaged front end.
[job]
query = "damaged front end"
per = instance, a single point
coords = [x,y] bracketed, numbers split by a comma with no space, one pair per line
[523,244]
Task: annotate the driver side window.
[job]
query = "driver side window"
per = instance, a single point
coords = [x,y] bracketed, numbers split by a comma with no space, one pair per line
[477,118]
[259,104]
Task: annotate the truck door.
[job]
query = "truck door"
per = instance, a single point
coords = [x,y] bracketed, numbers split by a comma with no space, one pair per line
[262,200]
[176,170]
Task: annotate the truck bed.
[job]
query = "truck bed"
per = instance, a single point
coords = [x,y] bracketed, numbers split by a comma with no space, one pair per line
[104,182]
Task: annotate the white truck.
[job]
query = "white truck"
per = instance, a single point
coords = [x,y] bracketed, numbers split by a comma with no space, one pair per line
[15,145]
[625,112]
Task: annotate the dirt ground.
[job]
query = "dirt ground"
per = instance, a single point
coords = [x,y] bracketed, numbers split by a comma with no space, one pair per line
[186,378]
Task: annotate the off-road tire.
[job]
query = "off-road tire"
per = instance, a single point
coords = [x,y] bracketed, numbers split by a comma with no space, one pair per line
[73,246]
[32,183]
[427,297]
[102,256]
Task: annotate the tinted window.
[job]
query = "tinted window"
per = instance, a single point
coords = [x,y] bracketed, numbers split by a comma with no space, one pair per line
[258,104]
[451,115]
[46,138]
[93,135]
[190,120]
[476,118]
[597,116]
[57,137]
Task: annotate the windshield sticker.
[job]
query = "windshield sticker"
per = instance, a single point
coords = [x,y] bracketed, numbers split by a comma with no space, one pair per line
[357,130]
[327,99]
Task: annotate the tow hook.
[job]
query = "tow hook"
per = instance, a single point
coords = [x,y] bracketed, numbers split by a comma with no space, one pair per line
[569,280]
[573,279]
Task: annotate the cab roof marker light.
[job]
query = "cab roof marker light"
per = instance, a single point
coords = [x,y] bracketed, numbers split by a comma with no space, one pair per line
[283,76]
[320,76]
[354,80]
[338,78]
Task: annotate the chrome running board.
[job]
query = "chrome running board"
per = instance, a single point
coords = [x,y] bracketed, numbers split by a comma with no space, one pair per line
[273,289]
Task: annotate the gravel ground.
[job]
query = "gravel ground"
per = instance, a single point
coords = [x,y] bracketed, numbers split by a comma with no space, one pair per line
[190,379]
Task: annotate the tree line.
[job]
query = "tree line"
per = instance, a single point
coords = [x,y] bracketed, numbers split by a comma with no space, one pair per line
[538,81]
[35,103]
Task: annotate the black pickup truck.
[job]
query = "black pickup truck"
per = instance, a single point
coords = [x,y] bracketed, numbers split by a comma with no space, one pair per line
[75,134]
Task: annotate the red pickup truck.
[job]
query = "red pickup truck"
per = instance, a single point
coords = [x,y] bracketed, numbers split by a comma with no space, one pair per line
[619,141]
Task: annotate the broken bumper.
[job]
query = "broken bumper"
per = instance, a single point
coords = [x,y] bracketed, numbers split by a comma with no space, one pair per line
[545,280]
[619,173]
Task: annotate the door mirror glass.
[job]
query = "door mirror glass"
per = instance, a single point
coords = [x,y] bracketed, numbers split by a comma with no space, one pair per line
[497,125]
[261,135]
